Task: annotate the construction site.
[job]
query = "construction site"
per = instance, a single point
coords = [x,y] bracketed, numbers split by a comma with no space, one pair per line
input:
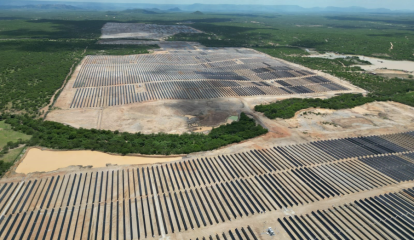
[113,30]
[106,87]
[323,174]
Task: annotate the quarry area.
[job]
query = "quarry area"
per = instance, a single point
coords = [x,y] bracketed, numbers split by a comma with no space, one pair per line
[323,174]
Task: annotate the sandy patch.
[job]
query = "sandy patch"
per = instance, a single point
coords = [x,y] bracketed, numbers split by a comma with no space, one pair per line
[203,129]
[389,73]
[352,121]
[37,160]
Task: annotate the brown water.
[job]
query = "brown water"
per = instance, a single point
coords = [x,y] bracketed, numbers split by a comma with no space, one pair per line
[38,160]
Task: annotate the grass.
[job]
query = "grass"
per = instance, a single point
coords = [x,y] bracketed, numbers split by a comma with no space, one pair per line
[4,125]
[12,155]
[8,135]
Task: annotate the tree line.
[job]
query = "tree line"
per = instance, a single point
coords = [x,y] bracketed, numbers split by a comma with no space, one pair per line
[59,136]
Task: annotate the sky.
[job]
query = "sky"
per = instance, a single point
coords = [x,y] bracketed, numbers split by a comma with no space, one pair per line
[390,4]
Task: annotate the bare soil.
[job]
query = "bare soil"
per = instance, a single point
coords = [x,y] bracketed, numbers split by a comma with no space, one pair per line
[153,117]
[113,30]
[164,45]
[392,73]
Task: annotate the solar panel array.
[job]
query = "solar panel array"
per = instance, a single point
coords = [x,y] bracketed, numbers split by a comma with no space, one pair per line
[388,216]
[236,234]
[149,201]
[210,73]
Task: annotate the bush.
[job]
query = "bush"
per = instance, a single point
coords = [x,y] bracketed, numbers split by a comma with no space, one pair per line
[4,167]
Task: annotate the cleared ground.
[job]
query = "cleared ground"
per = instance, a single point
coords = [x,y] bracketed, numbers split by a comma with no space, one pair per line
[174,116]
[143,31]
[153,93]
[371,117]
[394,73]
[164,45]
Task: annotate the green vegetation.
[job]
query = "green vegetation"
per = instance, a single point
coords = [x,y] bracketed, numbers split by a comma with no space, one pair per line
[33,70]
[4,167]
[11,156]
[9,139]
[368,35]
[8,135]
[59,136]
[287,108]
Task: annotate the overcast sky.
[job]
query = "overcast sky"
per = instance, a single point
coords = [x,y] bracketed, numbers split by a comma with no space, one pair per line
[391,4]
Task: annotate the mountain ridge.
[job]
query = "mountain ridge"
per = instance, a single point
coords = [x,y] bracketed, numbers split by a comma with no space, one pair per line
[221,8]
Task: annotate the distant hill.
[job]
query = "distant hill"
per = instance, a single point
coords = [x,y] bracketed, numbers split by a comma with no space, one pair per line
[165,8]
[142,11]
[278,9]
[44,7]
[176,9]
[153,9]
[198,13]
